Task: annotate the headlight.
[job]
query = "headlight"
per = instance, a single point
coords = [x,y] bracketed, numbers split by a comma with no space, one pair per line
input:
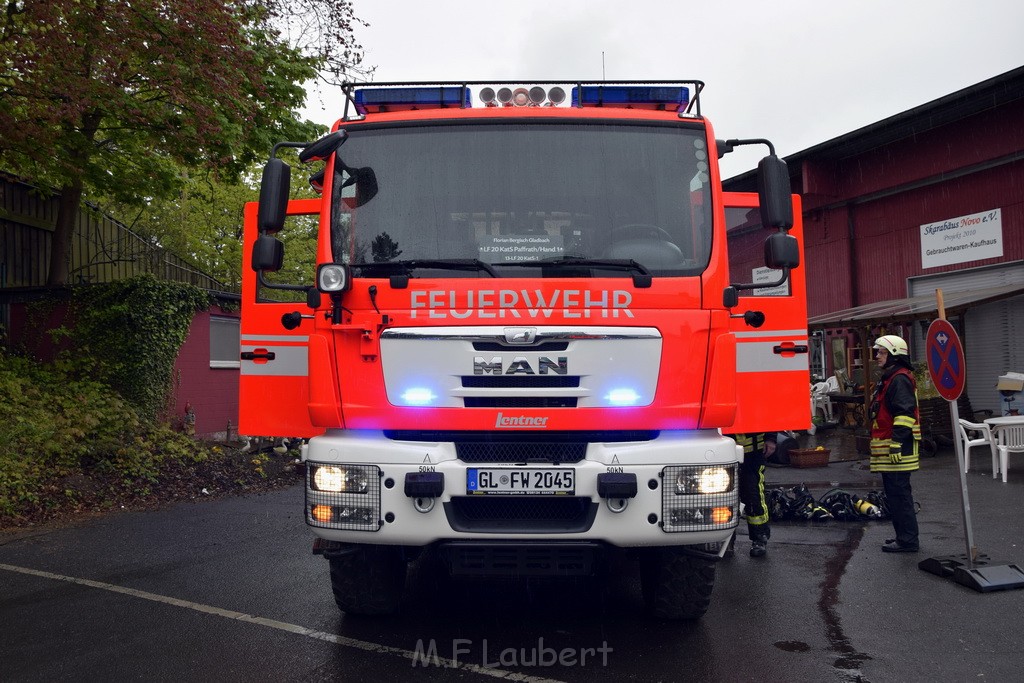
[707,480]
[337,479]
[333,277]
[715,480]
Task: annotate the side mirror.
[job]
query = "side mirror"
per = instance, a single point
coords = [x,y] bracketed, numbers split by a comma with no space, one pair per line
[274,189]
[267,254]
[324,147]
[365,181]
[316,181]
[773,191]
[781,251]
[730,297]
[366,185]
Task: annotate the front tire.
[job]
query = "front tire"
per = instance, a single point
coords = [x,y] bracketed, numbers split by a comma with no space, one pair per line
[368,580]
[676,585]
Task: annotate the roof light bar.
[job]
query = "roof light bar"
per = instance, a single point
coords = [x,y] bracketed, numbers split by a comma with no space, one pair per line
[680,96]
[632,97]
[375,100]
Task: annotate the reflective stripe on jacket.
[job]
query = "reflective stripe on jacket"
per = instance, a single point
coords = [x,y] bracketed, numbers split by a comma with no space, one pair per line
[896,423]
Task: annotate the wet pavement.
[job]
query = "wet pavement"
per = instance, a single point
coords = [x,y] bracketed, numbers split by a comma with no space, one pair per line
[228,590]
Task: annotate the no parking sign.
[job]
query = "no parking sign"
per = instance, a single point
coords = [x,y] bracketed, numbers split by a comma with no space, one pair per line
[945,359]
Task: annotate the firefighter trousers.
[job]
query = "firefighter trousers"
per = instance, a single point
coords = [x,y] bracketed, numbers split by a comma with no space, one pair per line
[752,495]
[900,500]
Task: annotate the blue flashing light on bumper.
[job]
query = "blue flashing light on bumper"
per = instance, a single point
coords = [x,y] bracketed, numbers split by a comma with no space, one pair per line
[418,396]
[622,397]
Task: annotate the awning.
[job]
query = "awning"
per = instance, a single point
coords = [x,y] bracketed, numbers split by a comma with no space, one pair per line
[912,308]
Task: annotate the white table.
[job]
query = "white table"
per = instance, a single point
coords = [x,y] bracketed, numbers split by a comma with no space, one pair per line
[1006,431]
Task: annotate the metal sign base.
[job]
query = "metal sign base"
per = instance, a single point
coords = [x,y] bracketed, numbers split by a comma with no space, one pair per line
[984,576]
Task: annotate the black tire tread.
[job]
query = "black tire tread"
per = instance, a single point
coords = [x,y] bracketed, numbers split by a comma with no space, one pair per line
[677,586]
[368,581]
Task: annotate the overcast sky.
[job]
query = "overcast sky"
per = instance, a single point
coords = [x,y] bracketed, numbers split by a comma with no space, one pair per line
[797,72]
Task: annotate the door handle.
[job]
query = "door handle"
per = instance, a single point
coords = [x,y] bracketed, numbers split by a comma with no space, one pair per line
[789,347]
[259,354]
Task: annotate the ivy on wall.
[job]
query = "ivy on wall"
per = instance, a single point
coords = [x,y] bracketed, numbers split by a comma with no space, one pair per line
[128,333]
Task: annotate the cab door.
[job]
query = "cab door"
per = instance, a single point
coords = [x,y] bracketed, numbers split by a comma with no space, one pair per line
[274,381]
[772,373]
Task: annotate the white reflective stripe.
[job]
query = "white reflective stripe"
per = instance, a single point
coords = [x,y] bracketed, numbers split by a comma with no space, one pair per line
[772,333]
[275,337]
[761,357]
[289,361]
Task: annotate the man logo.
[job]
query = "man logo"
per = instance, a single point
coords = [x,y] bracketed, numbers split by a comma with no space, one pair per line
[520,335]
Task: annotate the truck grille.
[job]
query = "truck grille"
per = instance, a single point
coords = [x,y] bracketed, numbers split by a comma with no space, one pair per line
[471,558]
[520,452]
[516,382]
[521,514]
[522,447]
[521,402]
[547,367]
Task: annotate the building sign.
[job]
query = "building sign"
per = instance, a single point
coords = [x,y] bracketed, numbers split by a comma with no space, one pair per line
[958,240]
[766,275]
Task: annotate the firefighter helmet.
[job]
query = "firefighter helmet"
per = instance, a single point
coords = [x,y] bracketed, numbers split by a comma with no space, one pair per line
[893,345]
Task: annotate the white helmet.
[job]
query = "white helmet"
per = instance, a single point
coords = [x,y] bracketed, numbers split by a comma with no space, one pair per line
[893,345]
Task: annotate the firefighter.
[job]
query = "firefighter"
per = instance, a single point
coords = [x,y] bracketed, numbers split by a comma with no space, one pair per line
[895,434]
[756,447]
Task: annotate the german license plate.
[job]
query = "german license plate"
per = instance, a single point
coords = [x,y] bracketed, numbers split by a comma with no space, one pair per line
[521,480]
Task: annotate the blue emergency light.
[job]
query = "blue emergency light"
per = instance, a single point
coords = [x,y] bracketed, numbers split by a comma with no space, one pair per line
[632,97]
[374,100]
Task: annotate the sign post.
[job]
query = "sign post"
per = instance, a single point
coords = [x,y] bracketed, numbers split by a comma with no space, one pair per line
[948,370]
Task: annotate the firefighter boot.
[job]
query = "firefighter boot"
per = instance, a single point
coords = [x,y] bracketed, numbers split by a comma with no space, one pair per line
[758,546]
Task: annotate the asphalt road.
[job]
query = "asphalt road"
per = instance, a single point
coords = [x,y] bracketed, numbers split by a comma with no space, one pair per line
[228,590]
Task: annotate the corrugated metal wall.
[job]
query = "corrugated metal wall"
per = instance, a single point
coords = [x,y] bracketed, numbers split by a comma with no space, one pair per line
[862,221]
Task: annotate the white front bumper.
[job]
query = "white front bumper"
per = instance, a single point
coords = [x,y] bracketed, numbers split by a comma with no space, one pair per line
[640,523]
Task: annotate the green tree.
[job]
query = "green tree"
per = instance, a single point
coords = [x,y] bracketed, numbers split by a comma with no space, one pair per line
[202,221]
[115,98]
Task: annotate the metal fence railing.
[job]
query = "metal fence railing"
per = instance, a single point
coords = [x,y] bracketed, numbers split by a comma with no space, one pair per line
[102,249]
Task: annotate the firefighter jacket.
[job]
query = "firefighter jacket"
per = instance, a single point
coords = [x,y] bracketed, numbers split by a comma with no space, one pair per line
[895,423]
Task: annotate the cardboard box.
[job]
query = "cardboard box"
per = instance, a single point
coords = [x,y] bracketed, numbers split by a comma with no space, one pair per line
[1011,381]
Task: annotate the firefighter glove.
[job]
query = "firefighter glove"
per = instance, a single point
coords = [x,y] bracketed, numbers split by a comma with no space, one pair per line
[895,453]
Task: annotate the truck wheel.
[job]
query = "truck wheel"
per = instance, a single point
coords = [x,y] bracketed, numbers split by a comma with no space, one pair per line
[676,585]
[369,580]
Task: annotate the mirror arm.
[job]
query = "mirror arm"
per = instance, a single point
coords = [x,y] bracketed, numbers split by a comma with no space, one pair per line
[270,285]
[279,145]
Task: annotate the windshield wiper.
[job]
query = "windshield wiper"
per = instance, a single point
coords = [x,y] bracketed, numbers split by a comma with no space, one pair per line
[408,265]
[641,276]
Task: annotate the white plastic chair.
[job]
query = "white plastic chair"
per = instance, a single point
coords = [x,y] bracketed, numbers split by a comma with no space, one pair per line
[1009,439]
[820,398]
[967,443]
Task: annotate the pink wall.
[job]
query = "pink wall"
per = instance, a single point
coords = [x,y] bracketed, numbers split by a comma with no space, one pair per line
[212,392]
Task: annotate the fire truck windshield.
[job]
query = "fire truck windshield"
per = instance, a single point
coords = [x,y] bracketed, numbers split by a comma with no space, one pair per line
[520,192]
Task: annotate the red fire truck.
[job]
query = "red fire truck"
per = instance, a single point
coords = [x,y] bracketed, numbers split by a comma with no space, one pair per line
[536,317]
